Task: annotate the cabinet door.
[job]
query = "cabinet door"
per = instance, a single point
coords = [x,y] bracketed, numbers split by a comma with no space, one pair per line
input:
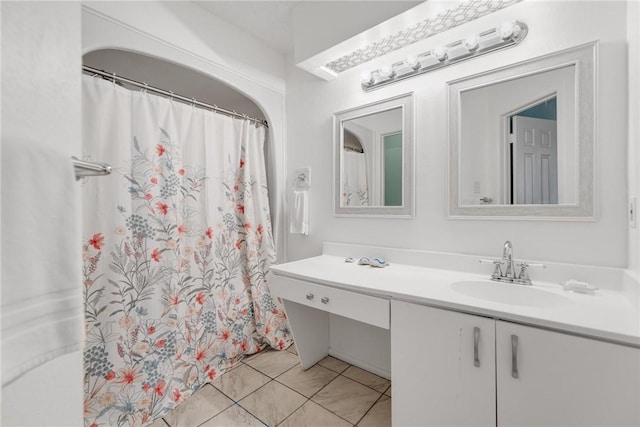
[435,378]
[564,380]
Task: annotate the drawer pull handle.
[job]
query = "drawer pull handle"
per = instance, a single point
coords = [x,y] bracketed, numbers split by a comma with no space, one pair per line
[476,342]
[514,356]
[309,296]
[324,300]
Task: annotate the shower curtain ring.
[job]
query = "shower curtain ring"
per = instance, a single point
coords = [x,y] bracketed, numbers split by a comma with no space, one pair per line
[146,86]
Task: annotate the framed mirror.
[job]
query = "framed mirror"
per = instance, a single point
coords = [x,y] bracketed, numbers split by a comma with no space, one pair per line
[373,147]
[521,139]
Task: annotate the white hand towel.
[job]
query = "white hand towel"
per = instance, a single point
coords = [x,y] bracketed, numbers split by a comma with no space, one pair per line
[299,213]
[42,308]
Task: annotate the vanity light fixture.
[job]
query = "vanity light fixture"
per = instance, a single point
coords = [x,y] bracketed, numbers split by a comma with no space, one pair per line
[505,35]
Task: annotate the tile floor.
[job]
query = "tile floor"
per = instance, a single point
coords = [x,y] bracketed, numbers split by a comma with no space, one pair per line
[270,388]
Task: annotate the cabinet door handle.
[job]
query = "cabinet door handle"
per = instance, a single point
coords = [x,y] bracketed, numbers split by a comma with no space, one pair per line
[324,300]
[309,296]
[476,342]
[514,356]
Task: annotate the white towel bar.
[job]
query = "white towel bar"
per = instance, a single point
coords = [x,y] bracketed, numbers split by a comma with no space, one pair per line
[84,168]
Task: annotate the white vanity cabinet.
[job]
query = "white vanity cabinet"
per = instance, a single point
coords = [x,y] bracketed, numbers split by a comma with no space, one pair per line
[564,380]
[309,305]
[526,376]
[442,367]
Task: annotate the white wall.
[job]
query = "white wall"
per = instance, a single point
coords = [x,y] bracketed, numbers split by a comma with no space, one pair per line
[184,33]
[633,36]
[553,25]
[41,102]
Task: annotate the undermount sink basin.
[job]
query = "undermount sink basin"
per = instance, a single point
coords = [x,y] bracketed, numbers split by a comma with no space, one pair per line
[507,293]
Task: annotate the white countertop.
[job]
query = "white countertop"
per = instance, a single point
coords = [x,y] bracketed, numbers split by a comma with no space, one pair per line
[608,315]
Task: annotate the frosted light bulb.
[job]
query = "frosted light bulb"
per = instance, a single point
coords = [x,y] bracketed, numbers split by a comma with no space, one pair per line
[365,78]
[508,30]
[471,43]
[516,29]
[386,71]
[440,53]
[412,62]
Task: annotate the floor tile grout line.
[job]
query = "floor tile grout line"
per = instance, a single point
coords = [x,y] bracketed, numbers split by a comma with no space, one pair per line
[294,411]
[273,379]
[324,407]
[236,403]
[289,416]
[229,370]
[322,388]
[314,394]
[239,406]
[368,386]
[224,394]
[306,399]
[339,372]
[369,410]
[359,382]
[298,363]
[251,413]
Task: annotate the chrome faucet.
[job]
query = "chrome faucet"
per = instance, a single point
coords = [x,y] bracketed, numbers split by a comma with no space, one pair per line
[508,273]
[507,256]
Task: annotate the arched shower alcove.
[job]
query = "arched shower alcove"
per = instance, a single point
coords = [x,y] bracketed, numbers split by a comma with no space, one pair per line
[188,82]
[172,77]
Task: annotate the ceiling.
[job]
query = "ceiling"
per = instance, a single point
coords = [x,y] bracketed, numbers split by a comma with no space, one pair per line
[269,21]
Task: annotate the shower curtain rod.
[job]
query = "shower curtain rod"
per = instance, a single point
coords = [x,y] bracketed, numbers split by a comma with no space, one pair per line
[354,149]
[193,101]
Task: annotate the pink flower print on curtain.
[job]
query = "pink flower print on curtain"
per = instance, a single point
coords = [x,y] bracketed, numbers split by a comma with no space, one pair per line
[178,245]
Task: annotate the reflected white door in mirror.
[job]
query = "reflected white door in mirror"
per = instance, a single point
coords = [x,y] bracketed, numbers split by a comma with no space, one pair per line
[374,159]
[522,139]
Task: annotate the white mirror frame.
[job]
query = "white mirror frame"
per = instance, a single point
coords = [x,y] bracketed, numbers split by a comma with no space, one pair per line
[584,57]
[407,210]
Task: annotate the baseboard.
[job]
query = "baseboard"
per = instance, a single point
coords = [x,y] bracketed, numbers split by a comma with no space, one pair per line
[360,364]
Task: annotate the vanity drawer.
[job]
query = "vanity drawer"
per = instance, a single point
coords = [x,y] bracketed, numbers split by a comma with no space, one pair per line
[364,308]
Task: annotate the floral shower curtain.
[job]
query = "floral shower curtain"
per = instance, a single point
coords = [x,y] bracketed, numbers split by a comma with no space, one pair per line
[177,244]
[354,188]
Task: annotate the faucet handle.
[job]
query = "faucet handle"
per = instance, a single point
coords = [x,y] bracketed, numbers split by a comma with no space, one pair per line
[497,269]
[524,273]
[536,265]
[526,265]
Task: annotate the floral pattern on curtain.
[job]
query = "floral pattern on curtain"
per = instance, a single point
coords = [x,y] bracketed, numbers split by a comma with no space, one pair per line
[354,179]
[178,243]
